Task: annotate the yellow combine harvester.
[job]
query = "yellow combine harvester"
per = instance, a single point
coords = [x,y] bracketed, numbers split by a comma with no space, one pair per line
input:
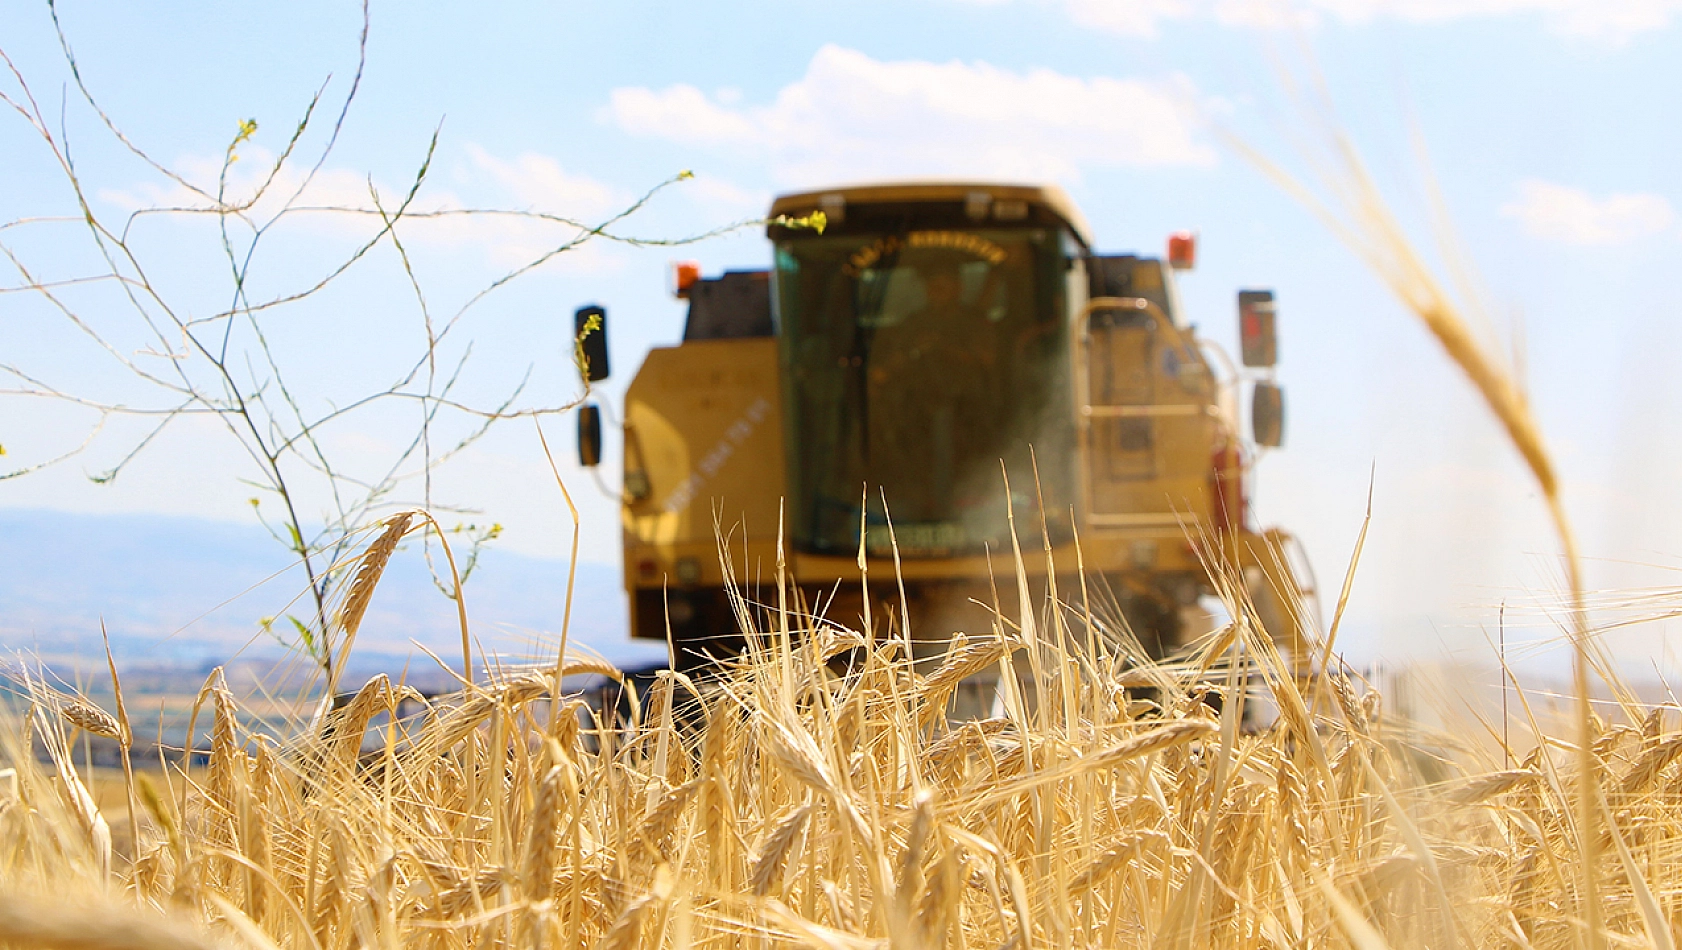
[883,379]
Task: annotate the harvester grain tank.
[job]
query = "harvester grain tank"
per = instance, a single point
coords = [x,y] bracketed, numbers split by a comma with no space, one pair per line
[876,389]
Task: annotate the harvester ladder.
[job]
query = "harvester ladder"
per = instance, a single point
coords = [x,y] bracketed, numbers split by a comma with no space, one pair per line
[1103,437]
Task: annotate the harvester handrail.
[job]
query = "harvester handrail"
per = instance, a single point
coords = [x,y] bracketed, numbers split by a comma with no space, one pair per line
[1144,412]
[1227,390]
[1137,303]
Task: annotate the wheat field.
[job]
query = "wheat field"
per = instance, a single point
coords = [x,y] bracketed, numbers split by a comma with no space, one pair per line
[818,795]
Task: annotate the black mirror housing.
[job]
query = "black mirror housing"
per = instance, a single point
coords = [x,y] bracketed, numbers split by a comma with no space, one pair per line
[589,333]
[1267,414]
[589,435]
[1257,330]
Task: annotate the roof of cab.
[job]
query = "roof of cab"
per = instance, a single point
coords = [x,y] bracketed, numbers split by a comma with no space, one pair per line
[1048,196]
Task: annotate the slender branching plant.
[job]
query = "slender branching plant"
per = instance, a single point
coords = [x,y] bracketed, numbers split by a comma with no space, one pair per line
[238,365]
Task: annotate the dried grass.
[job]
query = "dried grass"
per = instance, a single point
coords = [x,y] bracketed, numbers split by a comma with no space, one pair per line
[800,806]
[1345,196]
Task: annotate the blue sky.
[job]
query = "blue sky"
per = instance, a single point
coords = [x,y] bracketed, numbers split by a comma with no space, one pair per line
[1551,128]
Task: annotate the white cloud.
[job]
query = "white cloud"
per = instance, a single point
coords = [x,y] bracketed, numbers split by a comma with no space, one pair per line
[1613,21]
[1606,20]
[852,116]
[726,198]
[1128,17]
[1568,215]
[1145,18]
[679,112]
[541,183]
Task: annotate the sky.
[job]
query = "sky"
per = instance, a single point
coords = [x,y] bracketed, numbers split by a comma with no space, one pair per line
[1546,130]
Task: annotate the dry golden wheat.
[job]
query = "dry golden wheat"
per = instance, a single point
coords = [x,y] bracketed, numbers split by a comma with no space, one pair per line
[368,572]
[804,805]
[90,718]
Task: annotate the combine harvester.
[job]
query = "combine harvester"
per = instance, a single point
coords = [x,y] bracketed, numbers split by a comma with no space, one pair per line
[929,340]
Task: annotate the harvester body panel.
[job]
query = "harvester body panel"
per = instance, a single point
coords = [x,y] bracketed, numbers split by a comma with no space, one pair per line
[943,364]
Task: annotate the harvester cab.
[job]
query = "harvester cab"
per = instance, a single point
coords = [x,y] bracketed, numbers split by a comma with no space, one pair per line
[939,365]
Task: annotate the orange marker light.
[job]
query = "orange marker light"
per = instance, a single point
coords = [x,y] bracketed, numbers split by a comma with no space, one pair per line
[687,274]
[1182,250]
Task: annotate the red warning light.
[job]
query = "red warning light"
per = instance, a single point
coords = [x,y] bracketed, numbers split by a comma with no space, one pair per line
[1182,250]
[686,274]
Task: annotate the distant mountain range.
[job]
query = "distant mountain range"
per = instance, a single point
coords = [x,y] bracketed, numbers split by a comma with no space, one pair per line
[184,592]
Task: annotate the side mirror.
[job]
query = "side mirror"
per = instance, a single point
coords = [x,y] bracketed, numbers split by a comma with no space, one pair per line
[589,331]
[1267,415]
[589,435]
[1257,333]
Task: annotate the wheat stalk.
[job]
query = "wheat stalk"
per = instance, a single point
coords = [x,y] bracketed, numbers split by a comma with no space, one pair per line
[90,718]
[768,861]
[819,810]
[27,923]
[1484,787]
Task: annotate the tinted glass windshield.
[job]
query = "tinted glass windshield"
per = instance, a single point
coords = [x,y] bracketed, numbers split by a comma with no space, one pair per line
[916,362]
